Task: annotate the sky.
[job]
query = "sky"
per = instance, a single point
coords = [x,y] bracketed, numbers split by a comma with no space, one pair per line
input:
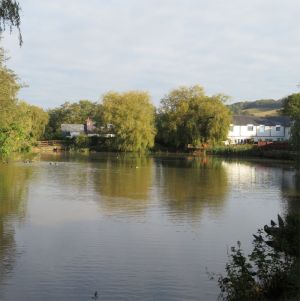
[82,49]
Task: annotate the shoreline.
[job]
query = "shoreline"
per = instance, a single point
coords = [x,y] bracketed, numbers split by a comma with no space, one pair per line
[224,152]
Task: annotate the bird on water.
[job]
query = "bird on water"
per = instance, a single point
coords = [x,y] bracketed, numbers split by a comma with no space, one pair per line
[95,297]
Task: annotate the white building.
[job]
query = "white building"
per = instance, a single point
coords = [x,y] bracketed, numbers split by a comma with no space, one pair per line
[253,129]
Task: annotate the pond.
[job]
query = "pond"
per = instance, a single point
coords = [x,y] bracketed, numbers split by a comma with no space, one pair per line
[129,227]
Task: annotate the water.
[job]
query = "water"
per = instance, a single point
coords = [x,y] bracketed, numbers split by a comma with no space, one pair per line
[131,228]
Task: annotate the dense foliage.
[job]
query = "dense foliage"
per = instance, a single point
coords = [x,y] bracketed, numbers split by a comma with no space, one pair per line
[291,108]
[271,271]
[21,124]
[131,115]
[188,116]
[10,16]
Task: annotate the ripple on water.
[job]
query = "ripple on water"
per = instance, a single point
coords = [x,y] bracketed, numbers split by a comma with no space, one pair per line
[150,233]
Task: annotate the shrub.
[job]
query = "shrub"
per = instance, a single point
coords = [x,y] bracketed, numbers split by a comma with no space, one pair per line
[81,141]
[271,271]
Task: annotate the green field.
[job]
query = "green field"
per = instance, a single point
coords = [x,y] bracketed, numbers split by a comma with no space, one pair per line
[260,108]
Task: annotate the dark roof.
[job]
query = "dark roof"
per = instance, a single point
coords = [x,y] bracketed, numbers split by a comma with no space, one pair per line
[72,127]
[270,121]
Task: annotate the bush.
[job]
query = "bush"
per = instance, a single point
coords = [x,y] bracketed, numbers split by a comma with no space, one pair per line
[271,271]
[82,141]
[236,150]
[251,150]
[77,143]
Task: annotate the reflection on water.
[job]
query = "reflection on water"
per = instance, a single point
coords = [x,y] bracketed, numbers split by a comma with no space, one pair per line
[13,189]
[124,183]
[291,189]
[191,184]
[13,193]
[133,228]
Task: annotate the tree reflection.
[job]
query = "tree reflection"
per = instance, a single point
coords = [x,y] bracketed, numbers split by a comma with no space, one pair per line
[13,190]
[291,190]
[124,183]
[189,185]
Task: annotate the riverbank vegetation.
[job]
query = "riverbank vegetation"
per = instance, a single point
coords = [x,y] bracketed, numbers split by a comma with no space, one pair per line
[271,271]
[21,124]
[187,118]
[253,150]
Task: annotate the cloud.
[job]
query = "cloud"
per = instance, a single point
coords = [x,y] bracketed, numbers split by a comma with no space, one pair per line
[79,49]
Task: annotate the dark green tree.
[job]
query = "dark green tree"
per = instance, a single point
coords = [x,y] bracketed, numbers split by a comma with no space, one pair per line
[76,112]
[291,108]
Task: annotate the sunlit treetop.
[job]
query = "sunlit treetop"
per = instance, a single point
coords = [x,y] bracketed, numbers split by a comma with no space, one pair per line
[10,16]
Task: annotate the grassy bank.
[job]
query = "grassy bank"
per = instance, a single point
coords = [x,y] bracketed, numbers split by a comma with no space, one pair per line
[101,144]
[250,150]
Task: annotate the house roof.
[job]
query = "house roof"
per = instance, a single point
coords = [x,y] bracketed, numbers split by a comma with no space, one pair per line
[72,127]
[270,121]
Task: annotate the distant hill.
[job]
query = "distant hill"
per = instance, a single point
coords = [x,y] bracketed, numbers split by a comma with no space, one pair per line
[261,108]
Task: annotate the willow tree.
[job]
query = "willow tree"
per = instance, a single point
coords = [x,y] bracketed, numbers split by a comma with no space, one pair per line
[131,115]
[10,16]
[188,116]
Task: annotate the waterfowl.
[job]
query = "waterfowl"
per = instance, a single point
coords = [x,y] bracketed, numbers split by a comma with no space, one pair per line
[95,295]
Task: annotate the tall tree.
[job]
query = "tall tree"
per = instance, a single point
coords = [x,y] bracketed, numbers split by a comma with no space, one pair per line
[10,16]
[131,115]
[9,87]
[188,116]
[291,108]
[20,124]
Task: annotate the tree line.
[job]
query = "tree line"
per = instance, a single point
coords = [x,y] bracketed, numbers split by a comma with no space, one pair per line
[186,115]
[21,124]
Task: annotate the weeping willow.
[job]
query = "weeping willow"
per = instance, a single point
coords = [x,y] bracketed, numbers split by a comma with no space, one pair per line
[10,17]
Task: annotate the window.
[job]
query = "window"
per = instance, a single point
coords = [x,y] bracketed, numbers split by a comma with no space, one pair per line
[277,128]
[231,128]
[261,128]
[250,128]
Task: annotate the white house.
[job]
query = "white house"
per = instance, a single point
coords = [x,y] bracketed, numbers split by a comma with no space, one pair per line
[253,129]
[88,128]
[74,130]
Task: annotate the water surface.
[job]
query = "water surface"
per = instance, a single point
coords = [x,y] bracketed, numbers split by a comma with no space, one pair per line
[132,228]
